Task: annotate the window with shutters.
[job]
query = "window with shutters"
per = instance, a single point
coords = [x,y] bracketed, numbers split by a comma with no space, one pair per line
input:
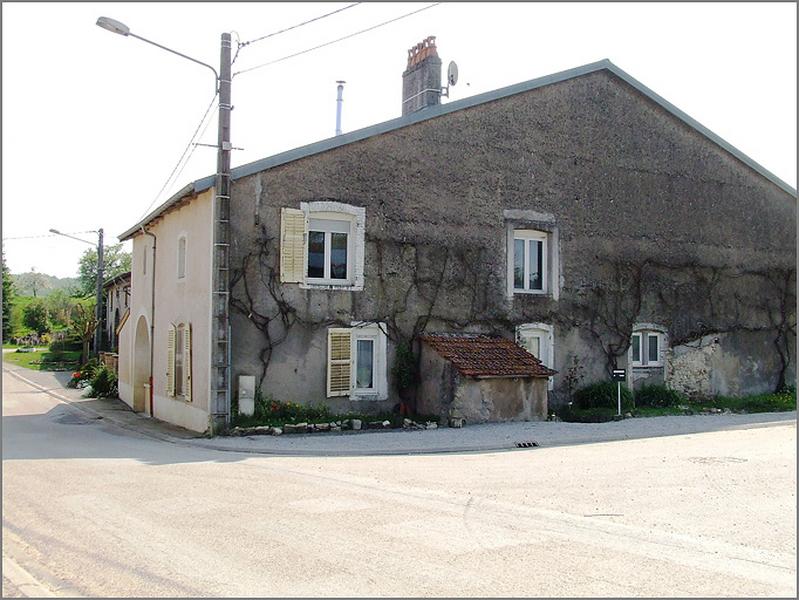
[322,245]
[179,360]
[178,373]
[356,362]
[539,340]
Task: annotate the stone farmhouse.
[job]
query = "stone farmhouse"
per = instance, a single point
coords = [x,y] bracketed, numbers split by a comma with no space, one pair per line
[579,215]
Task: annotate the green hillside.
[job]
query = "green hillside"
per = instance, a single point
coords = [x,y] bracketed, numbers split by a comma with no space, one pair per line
[41,285]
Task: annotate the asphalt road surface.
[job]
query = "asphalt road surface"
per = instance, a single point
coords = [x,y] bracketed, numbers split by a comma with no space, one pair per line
[92,510]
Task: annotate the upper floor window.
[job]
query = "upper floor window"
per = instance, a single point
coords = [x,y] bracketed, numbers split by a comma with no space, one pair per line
[322,245]
[646,347]
[182,257]
[530,261]
[328,250]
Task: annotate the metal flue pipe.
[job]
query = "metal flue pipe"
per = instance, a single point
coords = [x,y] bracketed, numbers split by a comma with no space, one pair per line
[339,102]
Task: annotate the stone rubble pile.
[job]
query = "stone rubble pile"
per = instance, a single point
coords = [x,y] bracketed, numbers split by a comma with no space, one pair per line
[332,426]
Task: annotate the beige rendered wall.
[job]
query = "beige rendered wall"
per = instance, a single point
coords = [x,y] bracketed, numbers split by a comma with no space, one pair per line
[186,300]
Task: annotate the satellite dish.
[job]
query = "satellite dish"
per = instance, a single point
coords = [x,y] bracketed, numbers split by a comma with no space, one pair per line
[452,73]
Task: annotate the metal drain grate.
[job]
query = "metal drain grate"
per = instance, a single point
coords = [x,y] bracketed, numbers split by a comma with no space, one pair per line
[527,444]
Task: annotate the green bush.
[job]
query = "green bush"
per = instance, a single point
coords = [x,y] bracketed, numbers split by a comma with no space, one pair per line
[570,414]
[603,394]
[67,344]
[658,396]
[104,383]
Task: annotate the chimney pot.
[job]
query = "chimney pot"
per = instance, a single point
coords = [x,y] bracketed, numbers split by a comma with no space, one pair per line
[421,81]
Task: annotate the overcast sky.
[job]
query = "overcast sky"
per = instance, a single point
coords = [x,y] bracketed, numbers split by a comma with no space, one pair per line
[93,123]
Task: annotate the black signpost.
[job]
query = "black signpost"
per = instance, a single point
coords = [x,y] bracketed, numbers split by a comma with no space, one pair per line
[618,376]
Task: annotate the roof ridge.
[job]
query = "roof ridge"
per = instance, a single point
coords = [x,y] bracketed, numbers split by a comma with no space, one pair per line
[432,112]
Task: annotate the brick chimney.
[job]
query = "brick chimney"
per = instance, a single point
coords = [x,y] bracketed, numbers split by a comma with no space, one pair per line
[421,81]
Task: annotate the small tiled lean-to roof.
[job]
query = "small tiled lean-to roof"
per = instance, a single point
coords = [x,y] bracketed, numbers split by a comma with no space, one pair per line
[484,356]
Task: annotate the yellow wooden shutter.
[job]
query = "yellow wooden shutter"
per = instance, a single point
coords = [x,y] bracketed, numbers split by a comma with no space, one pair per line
[292,245]
[339,362]
[170,361]
[187,362]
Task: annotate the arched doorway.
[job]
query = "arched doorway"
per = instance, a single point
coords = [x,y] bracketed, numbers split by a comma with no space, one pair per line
[141,365]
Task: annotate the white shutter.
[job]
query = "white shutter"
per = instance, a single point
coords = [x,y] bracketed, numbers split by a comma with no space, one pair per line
[292,245]
[339,362]
[187,362]
[170,361]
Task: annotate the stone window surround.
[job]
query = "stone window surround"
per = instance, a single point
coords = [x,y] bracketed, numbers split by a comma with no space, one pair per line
[357,216]
[538,221]
[543,330]
[377,333]
[649,328]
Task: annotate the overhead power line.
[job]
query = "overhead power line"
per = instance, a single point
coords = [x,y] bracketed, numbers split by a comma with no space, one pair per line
[341,39]
[189,149]
[320,17]
[44,235]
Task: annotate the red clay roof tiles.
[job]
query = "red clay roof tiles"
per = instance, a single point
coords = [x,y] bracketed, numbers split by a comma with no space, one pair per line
[483,356]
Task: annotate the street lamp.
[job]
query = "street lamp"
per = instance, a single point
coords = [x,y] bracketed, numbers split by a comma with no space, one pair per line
[220,302]
[98,309]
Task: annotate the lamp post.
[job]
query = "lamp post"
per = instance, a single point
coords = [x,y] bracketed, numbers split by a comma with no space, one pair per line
[220,300]
[98,309]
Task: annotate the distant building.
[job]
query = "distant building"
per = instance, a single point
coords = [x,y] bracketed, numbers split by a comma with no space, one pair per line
[116,292]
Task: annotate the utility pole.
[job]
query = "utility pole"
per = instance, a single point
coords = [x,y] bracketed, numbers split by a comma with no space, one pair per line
[98,332]
[220,327]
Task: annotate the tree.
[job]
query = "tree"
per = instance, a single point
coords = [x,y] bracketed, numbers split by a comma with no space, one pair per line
[60,305]
[37,317]
[83,325]
[115,260]
[8,300]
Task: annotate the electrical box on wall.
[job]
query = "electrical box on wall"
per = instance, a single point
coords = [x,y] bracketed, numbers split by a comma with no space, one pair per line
[246,395]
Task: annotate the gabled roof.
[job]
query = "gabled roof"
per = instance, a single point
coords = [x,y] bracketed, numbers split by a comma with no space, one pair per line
[483,356]
[442,109]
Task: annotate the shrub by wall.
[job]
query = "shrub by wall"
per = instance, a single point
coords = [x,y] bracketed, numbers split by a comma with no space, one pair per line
[658,396]
[603,395]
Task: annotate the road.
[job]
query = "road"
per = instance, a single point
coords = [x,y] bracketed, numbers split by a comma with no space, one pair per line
[92,510]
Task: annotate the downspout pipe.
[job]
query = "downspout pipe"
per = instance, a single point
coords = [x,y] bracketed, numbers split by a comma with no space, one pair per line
[152,317]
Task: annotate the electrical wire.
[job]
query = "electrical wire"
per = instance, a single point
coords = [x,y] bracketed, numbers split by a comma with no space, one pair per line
[274,33]
[45,235]
[194,147]
[341,39]
[190,147]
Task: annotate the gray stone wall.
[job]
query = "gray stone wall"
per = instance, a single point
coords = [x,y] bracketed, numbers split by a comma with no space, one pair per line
[655,224]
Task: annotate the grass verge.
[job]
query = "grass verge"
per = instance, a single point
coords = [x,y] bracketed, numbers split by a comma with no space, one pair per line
[44,360]
[756,403]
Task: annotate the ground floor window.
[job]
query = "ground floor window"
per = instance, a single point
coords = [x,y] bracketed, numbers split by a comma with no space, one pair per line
[646,347]
[539,340]
[356,361]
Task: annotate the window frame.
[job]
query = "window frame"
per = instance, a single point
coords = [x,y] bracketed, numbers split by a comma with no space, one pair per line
[526,235]
[644,333]
[376,333]
[180,360]
[546,336]
[326,279]
[363,331]
[356,244]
